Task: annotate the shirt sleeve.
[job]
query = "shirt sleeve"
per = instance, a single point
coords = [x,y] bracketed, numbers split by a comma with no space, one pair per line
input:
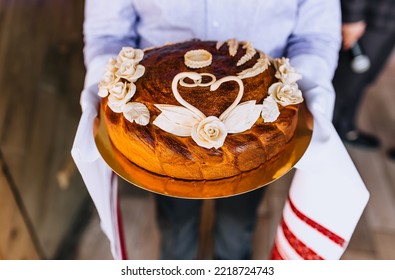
[108,26]
[317,32]
[314,45]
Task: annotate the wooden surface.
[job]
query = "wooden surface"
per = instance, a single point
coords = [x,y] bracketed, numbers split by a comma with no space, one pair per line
[15,238]
[373,239]
[41,77]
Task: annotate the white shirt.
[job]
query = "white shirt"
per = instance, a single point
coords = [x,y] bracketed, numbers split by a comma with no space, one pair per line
[278,27]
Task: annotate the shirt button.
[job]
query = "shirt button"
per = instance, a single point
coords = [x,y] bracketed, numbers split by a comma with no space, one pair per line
[215,23]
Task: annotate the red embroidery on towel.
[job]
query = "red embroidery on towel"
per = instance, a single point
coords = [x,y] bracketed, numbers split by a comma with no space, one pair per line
[326,232]
[304,251]
[275,253]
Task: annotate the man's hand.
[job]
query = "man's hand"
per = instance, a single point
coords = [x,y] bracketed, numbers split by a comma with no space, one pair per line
[351,33]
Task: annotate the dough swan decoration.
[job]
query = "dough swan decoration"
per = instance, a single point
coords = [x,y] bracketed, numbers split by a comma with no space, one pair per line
[207,131]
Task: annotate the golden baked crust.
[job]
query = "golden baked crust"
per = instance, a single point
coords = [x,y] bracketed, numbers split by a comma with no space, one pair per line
[180,157]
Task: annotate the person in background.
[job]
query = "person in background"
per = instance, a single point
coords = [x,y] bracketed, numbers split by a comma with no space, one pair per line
[369,28]
[306,31]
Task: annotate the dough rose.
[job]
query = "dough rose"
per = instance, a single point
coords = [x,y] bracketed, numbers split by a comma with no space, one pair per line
[130,71]
[105,83]
[130,54]
[209,133]
[285,94]
[287,74]
[120,94]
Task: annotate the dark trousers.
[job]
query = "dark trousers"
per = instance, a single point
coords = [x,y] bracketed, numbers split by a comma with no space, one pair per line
[235,219]
[350,86]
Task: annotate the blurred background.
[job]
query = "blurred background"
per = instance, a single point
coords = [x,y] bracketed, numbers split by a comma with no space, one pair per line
[45,210]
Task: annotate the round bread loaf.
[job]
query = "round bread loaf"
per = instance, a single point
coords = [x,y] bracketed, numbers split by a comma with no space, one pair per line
[199,110]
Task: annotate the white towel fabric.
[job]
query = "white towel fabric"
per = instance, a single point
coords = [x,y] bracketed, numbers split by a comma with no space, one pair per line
[99,179]
[327,195]
[326,198]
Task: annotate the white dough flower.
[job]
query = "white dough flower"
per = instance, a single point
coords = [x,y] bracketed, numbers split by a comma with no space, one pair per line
[112,65]
[120,94]
[285,94]
[130,54]
[130,71]
[270,111]
[118,89]
[285,72]
[108,78]
[105,83]
[103,91]
[136,112]
[118,80]
[209,133]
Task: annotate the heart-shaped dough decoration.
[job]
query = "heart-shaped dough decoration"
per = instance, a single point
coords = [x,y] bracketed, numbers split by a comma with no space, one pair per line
[207,131]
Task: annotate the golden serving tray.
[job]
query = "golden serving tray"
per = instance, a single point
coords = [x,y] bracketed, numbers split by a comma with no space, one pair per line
[200,189]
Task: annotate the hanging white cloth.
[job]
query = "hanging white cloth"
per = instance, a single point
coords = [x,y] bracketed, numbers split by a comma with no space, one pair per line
[327,195]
